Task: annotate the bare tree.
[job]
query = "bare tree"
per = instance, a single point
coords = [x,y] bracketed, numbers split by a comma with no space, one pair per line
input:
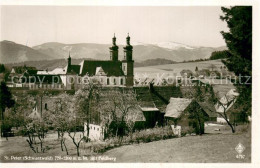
[61,116]
[121,108]
[84,98]
[36,128]
[72,132]
[225,105]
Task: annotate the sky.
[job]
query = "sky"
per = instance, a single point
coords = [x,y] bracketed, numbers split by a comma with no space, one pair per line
[34,25]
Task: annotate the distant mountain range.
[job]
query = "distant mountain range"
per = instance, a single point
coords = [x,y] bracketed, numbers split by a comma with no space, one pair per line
[11,52]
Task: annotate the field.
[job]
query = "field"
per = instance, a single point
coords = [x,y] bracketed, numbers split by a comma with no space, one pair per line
[178,67]
[217,148]
[214,146]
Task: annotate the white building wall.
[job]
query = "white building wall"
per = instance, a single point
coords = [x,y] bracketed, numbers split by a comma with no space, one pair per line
[96,132]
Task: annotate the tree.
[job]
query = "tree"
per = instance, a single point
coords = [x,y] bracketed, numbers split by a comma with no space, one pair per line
[225,104]
[239,43]
[121,110]
[199,95]
[73,124]
[219,55]
[6,101]
[2,68]
[84,98]
[60,117]
[196,117]
[196,69]
[37,127]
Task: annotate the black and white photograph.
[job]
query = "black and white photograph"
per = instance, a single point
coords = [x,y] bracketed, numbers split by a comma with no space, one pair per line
[127,84]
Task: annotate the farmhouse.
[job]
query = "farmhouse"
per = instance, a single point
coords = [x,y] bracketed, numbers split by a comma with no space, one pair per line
[188,114]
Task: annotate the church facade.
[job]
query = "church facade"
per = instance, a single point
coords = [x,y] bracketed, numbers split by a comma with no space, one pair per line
[113,72]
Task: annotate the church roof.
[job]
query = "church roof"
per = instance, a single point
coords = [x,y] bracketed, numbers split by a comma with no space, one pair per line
[111,68]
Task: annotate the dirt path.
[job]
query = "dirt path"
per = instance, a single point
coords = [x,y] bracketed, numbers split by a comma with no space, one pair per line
[206,148]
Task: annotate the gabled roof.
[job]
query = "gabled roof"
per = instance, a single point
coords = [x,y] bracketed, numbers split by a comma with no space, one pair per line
[208,108]
[162,94]
[111,68]
[100,71]
[176,106]
[144,97]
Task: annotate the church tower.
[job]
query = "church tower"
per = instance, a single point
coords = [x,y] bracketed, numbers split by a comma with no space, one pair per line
[114,50]
[128,63]
[69,61]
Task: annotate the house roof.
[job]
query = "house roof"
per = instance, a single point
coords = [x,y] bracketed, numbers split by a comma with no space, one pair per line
[55,71]
[222,90]
[47,79]
[21,69]
[73,69]
[176,106]
[162,94]
[111,68]
[31,71]
[208,108]
[144,97]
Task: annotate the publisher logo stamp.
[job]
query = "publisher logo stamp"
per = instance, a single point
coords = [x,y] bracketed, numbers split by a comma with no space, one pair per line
[240,149]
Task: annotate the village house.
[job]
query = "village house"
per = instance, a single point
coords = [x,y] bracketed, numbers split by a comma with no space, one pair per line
[189,114]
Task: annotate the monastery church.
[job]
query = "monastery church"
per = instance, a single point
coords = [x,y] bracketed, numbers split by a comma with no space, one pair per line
[111,72]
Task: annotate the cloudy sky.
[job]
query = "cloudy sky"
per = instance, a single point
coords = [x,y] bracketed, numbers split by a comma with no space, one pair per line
[34,25]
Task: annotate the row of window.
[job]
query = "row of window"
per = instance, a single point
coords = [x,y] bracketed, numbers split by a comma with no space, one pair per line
[58,86]
[94,128]
[114,82]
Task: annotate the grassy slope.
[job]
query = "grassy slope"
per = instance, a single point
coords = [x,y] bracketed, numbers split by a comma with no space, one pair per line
[212,147]
[193,149]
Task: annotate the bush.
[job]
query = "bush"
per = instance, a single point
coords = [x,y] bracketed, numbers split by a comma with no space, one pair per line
[143,136]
